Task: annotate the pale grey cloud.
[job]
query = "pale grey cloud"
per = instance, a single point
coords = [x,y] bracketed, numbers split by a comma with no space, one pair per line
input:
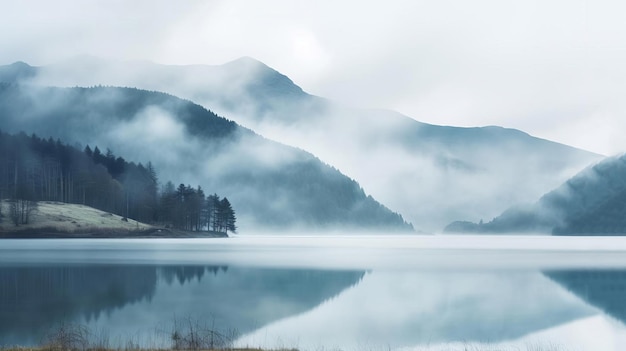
[552,68]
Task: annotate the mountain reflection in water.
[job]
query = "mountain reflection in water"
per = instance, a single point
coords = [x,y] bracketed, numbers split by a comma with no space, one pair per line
[397,309]
[323,292]
[34,299]
[604,289]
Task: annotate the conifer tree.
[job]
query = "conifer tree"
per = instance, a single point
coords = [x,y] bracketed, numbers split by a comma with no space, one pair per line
[212,204]
[226,216]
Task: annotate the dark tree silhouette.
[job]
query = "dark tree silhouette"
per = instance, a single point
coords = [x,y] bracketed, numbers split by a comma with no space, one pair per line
[34,169]
[212,203]
[226,216]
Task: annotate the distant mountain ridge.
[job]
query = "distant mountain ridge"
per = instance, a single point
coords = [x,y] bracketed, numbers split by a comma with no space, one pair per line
[274,187]
[593,202]
[431,174]
[17,71]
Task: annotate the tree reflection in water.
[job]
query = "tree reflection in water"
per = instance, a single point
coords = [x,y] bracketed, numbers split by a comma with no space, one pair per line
[34,299]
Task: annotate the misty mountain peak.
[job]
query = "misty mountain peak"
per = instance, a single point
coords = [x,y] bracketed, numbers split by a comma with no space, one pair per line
[20,65]
[16,71]
[266,82]
[248,61]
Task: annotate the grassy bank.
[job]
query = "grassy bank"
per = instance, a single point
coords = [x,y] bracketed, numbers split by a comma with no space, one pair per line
[45,348]
[183,334]
[68,218]
[62,220]
[462,348]
[102,233]
[193,335]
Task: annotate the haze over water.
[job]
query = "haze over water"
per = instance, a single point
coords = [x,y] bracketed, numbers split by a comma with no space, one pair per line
[307,292]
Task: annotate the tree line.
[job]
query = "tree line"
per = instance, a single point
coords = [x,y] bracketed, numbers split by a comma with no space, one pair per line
[189,209]
[34,169]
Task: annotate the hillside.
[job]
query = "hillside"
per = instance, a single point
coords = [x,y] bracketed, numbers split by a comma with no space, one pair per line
[431,174]
[70,219]
[273,187]
[593,202]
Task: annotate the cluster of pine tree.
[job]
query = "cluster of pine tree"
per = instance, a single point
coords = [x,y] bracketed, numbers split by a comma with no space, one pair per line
[189,209]
[34,169]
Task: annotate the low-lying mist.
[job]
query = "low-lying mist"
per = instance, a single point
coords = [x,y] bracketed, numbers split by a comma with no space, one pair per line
[431,174]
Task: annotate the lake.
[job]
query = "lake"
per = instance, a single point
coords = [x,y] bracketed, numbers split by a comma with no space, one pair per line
[352,292]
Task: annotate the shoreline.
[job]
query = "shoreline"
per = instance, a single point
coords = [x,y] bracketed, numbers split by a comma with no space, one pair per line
[106,233]
[59,220]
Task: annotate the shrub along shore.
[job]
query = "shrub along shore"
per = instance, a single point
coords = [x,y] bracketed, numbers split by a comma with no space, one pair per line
[194,335]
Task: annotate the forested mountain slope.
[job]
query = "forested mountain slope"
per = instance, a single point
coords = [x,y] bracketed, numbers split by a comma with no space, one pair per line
[593,202]
[271,185]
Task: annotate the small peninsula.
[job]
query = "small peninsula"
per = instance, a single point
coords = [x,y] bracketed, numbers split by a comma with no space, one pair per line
[51,219]
[49,189]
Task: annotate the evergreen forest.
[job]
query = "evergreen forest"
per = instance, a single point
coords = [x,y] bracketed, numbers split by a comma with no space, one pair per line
[36,169]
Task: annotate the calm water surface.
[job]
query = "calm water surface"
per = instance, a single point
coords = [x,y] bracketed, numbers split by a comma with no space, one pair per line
[323,292]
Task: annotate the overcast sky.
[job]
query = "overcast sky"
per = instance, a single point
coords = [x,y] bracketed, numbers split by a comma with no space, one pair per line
[555,69]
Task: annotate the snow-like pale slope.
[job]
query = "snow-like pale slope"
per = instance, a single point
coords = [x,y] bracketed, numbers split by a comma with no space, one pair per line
[71,218]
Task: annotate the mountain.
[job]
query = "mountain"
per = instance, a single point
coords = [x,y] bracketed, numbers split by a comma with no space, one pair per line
[271,185]
[593,202]
[431,174]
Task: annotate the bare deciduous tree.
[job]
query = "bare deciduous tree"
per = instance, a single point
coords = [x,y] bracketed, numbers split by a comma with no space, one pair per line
[20,210]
